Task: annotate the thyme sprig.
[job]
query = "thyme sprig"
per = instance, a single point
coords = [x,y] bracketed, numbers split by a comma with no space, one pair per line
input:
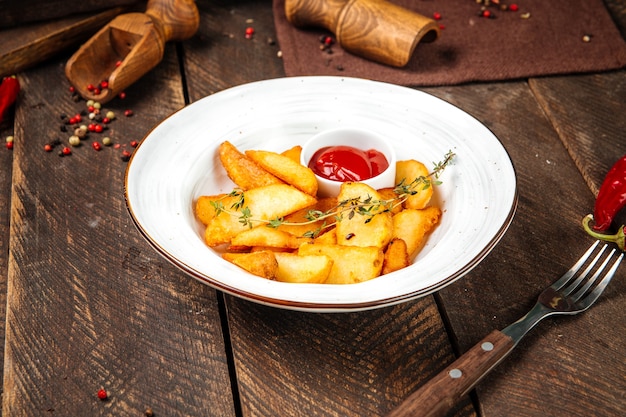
[367,207]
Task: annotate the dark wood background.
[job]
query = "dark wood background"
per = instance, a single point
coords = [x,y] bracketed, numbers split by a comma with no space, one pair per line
[89,304]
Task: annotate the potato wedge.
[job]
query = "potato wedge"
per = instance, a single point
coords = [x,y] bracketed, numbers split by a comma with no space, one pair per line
[264,203]
[268,237]
[293,153]
[328,238]
[204,208]
[390,194]
[303,269]
[412,226]
[298,223]
[244,172]
[351,264]
[408,171]
[396,256]
[286,169]
[262,264]
[363,230]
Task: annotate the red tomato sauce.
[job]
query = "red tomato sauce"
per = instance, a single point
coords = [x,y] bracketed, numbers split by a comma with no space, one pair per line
[345,163]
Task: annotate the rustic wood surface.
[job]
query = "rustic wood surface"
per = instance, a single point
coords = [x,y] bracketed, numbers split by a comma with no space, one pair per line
[89,304]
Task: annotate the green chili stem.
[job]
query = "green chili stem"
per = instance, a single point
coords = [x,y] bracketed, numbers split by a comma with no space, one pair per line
[618,238]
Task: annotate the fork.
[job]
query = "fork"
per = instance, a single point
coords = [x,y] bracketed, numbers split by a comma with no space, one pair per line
[570,295]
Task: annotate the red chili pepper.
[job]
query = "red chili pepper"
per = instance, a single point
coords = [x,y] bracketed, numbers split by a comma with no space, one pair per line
[9,89]
[611,197]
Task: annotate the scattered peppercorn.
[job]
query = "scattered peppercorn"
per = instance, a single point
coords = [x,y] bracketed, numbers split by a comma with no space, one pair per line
[249,32]
[125,156]
[134,143]
[149,412]
[66,151]
[102,394]
[128,113]
[96,146]
[437,16]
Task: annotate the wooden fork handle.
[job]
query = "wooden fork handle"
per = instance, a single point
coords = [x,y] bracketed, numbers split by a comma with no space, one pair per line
[442,392]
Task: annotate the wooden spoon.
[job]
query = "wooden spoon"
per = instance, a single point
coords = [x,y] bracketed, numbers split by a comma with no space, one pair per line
[130,46]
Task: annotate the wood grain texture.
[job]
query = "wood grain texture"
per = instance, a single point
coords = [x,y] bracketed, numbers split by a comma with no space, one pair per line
[542,242]
[25,46]
[220,56]
[354,364]
[15,13]
[90,304]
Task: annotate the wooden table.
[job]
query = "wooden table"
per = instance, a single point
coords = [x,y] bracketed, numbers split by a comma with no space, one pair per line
[89,304]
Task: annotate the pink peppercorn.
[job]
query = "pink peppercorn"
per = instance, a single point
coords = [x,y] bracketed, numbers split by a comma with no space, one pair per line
[102,394]
[106,120]
[134,143]
[486,13]
[249,32]
[437,16]
[47,147]
[128,113]
[90,87]
[104,84]
[66,151]
[98,129]
[118,63]
[122,95]
[513,7]
[9,145]
[96,146]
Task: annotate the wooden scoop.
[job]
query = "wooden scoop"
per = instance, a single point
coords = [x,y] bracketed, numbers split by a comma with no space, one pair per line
[130,46]
[374,29]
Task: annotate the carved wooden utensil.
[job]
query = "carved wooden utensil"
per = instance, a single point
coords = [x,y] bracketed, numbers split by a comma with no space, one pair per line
[130,46]
[374,29]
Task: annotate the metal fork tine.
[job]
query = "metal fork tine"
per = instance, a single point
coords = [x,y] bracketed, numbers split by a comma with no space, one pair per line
[572,286]
[569,274]
[597,291]
[579,293]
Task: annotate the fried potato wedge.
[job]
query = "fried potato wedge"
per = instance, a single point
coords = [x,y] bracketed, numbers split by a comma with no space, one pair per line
[351,264]
[264,203]
[412,226]
[359,229]
[286,169]
[204,208]
[244,172]
[262,264]
[268,237]
[396,256]
[389,194]
[298,223]
[328,238]
[408,171]
[303,269]
[293,153]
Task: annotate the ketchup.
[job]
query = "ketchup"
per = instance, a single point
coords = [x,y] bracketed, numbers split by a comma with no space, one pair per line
[345,163]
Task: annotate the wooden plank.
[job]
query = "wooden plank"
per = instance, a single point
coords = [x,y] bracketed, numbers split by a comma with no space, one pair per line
[220,56]
[543,241]
[90,303]
[350,364]
[6,172]
[16,13]
[24,46]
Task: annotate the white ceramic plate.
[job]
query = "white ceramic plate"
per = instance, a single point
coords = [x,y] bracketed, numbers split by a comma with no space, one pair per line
[177,162]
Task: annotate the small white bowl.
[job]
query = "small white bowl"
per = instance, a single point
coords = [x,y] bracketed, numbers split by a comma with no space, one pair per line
[357,138]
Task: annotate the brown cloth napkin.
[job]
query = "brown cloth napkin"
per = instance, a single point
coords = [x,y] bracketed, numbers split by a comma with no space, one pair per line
[543,37]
